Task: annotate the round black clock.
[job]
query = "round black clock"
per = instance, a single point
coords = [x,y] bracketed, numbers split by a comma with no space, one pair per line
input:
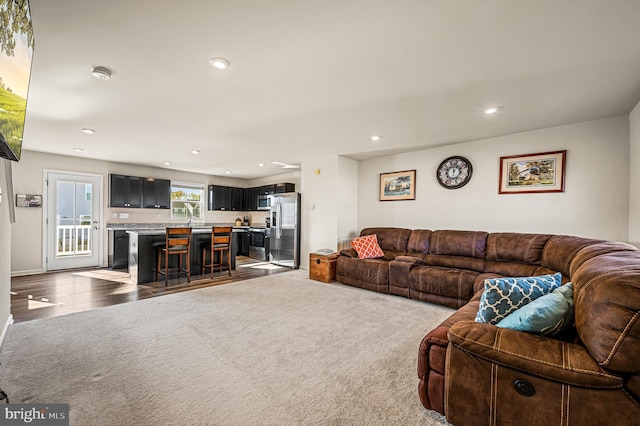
[454,172]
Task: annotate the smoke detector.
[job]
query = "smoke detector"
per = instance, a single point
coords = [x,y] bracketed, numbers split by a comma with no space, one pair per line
[101,73]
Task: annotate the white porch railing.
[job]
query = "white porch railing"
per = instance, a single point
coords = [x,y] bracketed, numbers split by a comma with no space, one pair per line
[73,240]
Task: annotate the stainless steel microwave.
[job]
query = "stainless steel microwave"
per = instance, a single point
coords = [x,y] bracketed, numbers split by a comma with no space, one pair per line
[263,202]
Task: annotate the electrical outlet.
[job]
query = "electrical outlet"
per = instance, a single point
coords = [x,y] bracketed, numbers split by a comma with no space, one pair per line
[114,216]
[124,215]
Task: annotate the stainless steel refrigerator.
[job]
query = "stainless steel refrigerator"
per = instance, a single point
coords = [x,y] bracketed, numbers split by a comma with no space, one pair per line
[284,236]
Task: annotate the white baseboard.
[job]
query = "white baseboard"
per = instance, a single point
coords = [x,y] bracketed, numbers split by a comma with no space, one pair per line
[4,329]
[29,272]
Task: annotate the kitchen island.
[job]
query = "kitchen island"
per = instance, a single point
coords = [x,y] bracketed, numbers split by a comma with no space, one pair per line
[142,255]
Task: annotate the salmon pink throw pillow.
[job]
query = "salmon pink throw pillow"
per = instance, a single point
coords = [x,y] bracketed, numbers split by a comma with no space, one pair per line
[367,247]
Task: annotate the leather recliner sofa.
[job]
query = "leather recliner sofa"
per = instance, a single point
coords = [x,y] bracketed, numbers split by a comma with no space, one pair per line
[477,373]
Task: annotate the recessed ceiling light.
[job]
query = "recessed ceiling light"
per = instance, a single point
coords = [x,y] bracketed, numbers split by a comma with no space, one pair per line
[78,149]
[101,73]
[375,138]
[219,63]
[261,165]
[166,163]
[228,172]
[491,110]
[195,151]
[88,131]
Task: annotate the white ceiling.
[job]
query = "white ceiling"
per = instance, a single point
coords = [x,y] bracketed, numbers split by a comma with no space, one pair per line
[318,77]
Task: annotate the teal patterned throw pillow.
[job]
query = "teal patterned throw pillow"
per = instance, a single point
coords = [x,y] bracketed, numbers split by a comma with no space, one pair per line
[502,296]
[547,315]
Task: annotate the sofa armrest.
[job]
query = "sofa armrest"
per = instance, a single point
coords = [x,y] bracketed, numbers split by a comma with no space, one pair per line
[348,252]
[536,355]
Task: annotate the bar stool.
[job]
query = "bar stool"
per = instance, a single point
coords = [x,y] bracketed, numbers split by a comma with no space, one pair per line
[220,242]
[177,242]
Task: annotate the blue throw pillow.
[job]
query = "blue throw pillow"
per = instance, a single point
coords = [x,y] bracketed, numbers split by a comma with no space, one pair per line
[502,296]
[547,315]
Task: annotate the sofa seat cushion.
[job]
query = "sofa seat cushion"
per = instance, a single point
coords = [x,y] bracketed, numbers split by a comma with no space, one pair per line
[372,274]
[448,286]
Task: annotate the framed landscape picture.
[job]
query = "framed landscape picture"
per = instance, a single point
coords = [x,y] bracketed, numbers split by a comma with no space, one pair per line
[398,186]
[540,172]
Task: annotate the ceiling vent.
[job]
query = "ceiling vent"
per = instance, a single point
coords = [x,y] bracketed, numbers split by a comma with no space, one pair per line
[101,73]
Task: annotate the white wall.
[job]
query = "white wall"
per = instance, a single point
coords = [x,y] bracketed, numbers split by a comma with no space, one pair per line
[634,176]
[5,252]
[26,244]
[347,198]
[595,202]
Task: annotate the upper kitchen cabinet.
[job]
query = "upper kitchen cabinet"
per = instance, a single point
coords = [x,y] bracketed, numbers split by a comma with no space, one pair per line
[219,197]
[267,189]
[285,187]
[237,199]
[251,198]
[125,191]
[157,193]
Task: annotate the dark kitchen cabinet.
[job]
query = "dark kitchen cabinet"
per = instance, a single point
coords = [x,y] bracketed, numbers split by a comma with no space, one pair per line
[157,193]
[125,191]
[118,257]
[237,199]
[241,242]
[267,189]
[219,197]
[251,198]
[285,187]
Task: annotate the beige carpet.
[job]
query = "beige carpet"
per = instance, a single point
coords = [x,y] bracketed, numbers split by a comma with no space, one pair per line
[278,350]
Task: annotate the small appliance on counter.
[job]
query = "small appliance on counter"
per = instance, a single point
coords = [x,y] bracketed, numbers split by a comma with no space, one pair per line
[245,220]
[238,222]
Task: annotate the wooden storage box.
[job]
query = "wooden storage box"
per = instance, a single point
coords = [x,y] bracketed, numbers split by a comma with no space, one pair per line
[322,267]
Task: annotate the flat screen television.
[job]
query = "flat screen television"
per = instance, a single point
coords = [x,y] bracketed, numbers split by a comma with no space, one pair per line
[16,54]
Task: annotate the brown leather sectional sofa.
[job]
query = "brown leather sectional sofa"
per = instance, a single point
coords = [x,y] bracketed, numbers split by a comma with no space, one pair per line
[477,373]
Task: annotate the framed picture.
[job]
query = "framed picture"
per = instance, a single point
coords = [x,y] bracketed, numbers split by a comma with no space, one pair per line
[398,186]
[541,172]
[28,200]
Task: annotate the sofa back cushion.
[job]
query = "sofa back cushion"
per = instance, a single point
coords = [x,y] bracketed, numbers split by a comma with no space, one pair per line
[458,249]
[607,308]
[597,249]
[392,241]
[560,251]
[516,269]
[516,247]
[418,245]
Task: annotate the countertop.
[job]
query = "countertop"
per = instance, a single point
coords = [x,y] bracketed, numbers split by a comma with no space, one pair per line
[161,227]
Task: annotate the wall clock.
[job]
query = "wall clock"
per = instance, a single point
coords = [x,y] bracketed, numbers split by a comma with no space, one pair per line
[454,172]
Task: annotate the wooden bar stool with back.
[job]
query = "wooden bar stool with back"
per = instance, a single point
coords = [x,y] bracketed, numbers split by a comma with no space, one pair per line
[221,237]
[177,242]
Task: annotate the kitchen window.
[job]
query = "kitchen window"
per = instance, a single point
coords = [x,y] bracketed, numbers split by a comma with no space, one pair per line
[187,201]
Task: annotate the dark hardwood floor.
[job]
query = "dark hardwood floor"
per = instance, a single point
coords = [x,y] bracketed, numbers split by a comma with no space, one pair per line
[59,293]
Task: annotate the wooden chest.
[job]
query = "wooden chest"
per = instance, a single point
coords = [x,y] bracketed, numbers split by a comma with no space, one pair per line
[322,267]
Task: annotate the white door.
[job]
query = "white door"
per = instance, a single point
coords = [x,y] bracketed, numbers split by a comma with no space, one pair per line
[72,226]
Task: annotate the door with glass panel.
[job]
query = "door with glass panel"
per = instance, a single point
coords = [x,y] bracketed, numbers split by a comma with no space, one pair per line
[73,233]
